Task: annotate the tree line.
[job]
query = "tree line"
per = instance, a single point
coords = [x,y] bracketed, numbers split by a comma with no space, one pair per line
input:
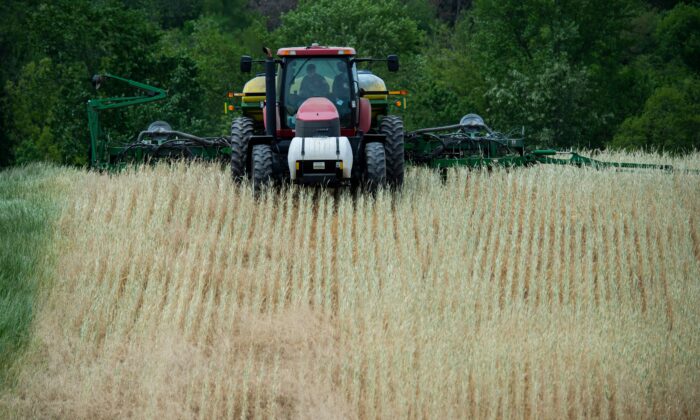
[573,73]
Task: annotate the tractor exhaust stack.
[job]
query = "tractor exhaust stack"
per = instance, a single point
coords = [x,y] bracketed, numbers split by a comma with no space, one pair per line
[270,94]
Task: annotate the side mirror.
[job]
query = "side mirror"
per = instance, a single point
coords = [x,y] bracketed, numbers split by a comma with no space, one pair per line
[246,64]
[392,62]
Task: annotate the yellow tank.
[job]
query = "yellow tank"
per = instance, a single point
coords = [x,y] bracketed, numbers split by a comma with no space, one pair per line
[253,96]
[372,83]
[368,81]
[254,85]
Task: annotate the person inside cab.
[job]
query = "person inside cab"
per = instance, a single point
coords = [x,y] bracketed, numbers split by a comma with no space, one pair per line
[313,84]
[340,93]
[341,85]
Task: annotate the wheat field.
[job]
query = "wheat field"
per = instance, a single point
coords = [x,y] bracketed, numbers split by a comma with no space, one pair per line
[547,292]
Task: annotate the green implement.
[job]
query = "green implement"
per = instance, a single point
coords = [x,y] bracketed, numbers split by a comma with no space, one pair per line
[472,143]
[158,141]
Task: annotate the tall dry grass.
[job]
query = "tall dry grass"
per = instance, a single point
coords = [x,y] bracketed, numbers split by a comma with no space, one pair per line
[543,292]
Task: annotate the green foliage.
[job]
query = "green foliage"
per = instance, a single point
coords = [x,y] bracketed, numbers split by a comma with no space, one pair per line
[668,70]
[184,107]
[46,104]
[100,36]
[41,103]
[549,66]
[373,27]
[167,13]
[556,68]
[424,13]
[14,53]
[442,83]
[215,52]
[679,35]
[551,102]
[670,121]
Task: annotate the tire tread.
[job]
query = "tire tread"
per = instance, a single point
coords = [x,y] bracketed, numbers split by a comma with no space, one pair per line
[392,127]
[241,131]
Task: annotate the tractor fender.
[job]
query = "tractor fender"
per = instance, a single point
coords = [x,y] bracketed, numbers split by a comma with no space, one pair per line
[265,117]
[365,115]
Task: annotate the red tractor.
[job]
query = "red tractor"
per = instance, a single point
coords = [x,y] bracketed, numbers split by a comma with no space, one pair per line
[328,125]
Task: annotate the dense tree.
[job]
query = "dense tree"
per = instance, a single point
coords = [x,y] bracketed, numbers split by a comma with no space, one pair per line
[556,67]
[551,66]
[678,35]
[69,40]
[373,27]
[273,10]
[670,116]
[34,129]
[670,121]
[14,52]
[450,10]
[215,51]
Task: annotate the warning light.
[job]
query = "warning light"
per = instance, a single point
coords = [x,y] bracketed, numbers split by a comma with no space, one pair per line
[398,103]
[230,94]
[230,107]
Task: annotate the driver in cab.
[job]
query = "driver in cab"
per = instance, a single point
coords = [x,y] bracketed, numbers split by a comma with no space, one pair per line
[313,84]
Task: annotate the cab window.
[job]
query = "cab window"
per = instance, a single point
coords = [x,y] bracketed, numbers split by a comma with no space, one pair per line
[326,77]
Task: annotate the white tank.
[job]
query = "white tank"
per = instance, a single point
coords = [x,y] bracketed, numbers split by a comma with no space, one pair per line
[319,149]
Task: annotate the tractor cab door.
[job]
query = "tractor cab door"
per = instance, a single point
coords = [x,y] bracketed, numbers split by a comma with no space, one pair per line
[309,77]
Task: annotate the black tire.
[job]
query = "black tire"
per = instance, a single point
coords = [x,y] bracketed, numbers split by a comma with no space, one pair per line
[241,131]
[261,167]
[392,127]
[375,166]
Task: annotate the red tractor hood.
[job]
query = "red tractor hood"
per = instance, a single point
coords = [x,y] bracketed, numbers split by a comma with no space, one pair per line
[317,117]
[317,109]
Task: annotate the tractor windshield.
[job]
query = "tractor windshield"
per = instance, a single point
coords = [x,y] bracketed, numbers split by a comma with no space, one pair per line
[328,77]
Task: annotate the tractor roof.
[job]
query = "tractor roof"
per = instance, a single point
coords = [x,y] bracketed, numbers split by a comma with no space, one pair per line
[315,50]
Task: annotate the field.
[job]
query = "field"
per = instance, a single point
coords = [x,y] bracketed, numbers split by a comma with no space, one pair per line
[547,292]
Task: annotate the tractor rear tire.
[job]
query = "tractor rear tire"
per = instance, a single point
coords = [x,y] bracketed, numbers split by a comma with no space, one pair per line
[375,166]
[261,167]
[241,131]
[392,127]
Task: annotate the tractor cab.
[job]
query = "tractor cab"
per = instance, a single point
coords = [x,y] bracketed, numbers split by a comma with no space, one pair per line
[311,121]
[333,78]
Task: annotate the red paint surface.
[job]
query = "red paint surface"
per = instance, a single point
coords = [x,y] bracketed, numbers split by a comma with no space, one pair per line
[365,115]
[314,50]
[317,109]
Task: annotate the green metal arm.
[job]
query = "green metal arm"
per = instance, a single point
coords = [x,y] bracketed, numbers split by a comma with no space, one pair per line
[98,148]
[544,156]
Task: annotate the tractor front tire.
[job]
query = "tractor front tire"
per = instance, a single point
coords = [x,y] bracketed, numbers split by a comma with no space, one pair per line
[241,131]
[392,128]
[261,167]
[375,166]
